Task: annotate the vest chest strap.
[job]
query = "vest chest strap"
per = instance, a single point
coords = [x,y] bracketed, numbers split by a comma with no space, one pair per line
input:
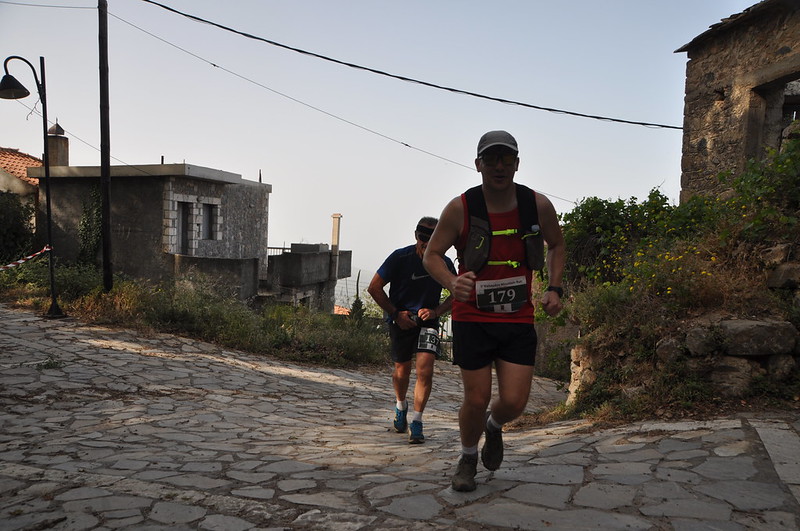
[512,263]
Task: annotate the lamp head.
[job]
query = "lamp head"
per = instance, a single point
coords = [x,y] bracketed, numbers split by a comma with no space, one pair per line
[11,89]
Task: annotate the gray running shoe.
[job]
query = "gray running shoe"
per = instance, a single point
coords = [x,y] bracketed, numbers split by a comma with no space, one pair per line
[492,451]
[464,478]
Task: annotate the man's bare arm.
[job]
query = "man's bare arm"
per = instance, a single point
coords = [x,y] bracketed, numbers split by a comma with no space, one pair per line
[556,252]
[444,237]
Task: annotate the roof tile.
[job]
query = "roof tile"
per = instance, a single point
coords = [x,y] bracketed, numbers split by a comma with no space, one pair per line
[17,163]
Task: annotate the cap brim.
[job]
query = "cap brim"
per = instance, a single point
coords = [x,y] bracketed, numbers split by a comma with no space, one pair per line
[504,144]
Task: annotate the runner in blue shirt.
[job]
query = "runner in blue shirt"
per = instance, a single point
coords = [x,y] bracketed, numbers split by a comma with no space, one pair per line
[412,310]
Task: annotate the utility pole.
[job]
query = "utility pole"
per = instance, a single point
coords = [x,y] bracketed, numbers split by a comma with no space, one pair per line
[105,146]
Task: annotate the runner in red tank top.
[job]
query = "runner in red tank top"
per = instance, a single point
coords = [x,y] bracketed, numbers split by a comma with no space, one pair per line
[492,309]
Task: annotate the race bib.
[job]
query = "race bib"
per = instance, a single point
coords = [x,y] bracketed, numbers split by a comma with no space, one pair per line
[428,340]
[505,295]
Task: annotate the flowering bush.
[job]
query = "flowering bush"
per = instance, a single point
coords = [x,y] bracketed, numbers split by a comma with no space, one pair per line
[638,270]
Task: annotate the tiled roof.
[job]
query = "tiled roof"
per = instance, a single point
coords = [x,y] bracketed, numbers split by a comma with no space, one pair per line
[16,163]
[341,310]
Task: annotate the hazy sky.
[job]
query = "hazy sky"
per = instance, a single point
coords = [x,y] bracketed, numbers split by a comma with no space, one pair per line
[332,139]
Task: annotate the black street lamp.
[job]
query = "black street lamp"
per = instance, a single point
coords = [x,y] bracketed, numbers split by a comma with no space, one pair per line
[11,89]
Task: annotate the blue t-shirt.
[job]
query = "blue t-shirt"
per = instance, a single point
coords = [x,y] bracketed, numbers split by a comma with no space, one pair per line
[410,286]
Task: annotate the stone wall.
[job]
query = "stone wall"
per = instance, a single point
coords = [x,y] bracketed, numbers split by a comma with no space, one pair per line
[736,82]
[239,227]
[135,222]
[727,353]
[229,277]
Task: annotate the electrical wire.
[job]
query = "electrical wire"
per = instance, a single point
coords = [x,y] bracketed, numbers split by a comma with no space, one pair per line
[308,105]
[372,70]
[258,84]
[33,110]
[352,65]
[409,79]
[44,5]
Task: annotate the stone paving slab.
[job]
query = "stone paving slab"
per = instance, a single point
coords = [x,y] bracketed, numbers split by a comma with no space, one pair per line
[113,429]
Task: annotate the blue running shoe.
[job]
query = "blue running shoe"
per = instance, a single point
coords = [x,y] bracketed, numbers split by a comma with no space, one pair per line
[416,437]
[400,422]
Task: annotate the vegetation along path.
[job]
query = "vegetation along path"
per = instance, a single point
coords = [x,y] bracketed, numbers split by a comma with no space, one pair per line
[110,429]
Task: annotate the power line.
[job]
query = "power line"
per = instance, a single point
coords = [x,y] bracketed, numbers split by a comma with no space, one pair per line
[308,105]
[240,76]
[261,85]
[409,79]
[244,78]
[368,69]
[73,135]
[258,84]
[44,5]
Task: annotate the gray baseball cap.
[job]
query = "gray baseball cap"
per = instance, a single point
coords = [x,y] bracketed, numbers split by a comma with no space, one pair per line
[496,138]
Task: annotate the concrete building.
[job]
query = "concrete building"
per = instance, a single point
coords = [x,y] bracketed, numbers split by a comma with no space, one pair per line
[741,92]
[307,274]
[169,221]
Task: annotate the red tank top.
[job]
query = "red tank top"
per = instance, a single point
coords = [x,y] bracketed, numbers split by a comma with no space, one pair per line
[498,280]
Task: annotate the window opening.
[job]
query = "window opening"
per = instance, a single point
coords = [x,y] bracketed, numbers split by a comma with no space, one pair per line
[184,212]
[791,102]
[209,222]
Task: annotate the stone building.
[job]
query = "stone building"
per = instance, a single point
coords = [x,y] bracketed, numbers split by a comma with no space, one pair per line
[742,91]
[166,220]
[169,221]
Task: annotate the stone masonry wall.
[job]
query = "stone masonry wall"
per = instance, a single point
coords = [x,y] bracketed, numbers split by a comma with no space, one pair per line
[729,354]
[735,80]
[240,226]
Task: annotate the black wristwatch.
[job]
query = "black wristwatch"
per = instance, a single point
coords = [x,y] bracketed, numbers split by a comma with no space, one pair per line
[558,289]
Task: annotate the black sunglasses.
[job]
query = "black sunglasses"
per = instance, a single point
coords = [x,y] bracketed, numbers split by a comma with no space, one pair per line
[490,159]
[423,233]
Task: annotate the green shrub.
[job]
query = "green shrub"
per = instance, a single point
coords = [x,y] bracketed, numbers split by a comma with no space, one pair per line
[310,336]
[638,270]
[31,278]
[75,281]
[16,233]
[90,228]
[599,234]
[194,307]
[769,195]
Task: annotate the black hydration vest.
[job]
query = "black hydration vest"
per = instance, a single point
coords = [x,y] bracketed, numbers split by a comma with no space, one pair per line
[476,251]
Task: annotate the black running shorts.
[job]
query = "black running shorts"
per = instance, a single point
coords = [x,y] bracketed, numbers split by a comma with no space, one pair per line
[476,345]
[405,342]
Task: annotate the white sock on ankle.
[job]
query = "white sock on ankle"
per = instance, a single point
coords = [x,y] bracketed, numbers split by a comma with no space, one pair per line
[492,424]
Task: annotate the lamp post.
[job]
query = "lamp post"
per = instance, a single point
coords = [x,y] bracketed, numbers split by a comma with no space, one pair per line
[11,89]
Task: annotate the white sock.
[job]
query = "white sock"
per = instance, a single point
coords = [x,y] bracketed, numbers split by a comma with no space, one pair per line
[492,424]
[469,450]
[402,406]
[416,415]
